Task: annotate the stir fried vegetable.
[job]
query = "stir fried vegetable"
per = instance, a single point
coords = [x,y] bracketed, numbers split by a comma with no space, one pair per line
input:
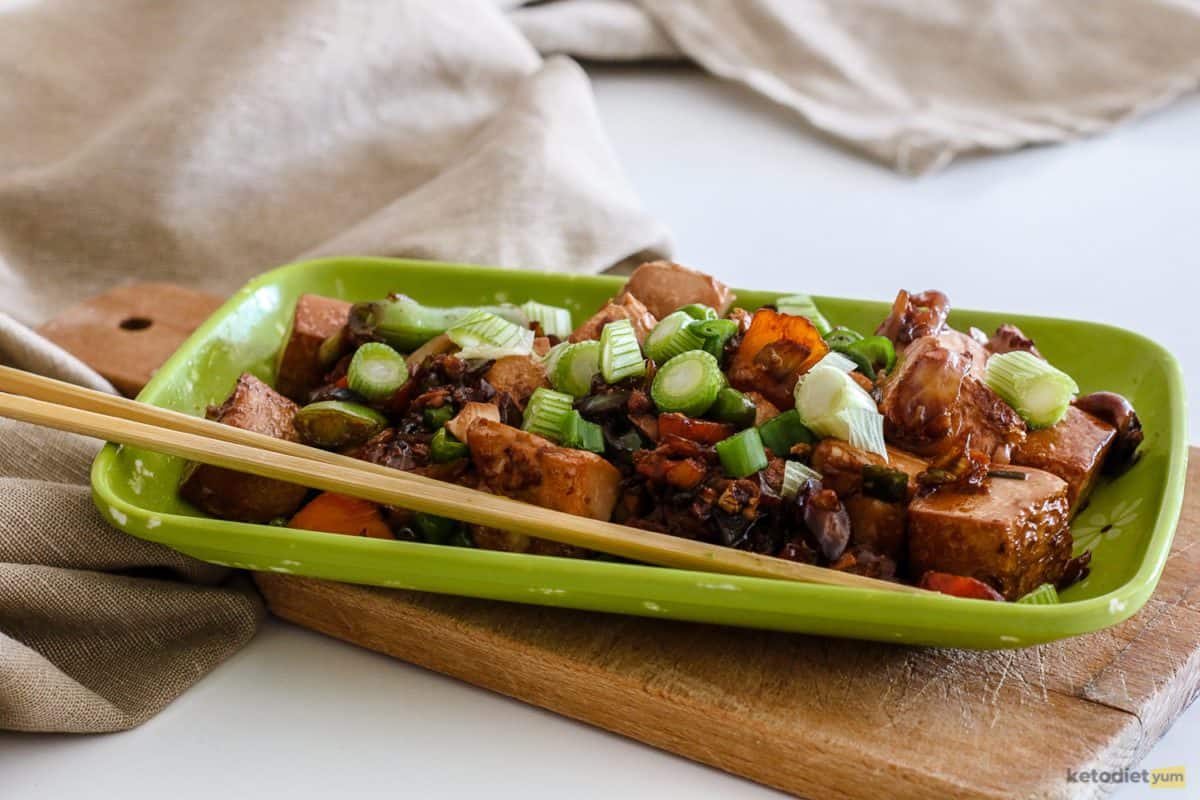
[914,453]
[334,424]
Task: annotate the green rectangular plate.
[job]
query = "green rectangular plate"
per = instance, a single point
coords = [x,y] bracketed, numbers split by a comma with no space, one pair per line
[1130,522]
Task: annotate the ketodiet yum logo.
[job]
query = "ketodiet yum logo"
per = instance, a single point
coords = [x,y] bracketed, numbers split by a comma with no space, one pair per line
[1161,778]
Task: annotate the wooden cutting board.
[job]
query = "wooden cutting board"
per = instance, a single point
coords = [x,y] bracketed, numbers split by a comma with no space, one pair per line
[812,716]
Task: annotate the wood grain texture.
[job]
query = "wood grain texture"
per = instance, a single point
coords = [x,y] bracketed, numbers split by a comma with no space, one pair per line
[127,333]
[815,717]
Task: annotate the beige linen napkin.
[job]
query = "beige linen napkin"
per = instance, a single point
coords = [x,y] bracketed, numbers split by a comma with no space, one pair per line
[912,83]
[202,143]
[97,632]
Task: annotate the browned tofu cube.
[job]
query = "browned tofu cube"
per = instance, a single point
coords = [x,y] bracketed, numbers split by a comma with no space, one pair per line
[1074,450]
[228,494]
[841,465]
[315,320]
[665,286]
[624,307]
[1013,535]
[526,467]
[517,375]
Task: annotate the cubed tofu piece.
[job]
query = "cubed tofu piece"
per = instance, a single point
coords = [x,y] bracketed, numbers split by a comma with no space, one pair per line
[625,306]
[841,465]
[526,467]
[1074,450]
[665,286]
[877,524]
[229,494]
[1013,535]
[517,375]
[316,319]
[470,413]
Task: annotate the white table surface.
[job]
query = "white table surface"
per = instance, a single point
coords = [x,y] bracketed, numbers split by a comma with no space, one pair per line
[1105,229]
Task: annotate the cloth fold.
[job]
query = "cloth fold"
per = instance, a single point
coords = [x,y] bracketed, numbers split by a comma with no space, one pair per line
[98,630]
[913,84]
[202,143]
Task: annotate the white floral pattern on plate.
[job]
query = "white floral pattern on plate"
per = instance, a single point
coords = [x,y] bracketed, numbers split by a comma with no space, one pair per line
[1100,526]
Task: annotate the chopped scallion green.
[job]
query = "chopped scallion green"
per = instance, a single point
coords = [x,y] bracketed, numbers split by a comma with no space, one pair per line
[716,332]
[435,418]
[1037,391]
[688,383]
[335,423]
[582,434]
[376,371]
[700,311]
[546,413]
[795,476]
[742,454]
[483,334]
[620,353]
[555,321]
[1044,595]
[733,406]
[574,368]
[784,431]
[444,447]
[674,334]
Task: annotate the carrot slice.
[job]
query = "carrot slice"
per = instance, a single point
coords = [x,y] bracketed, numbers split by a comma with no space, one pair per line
[774,353]
[337,513]
[958,586]
[704,431]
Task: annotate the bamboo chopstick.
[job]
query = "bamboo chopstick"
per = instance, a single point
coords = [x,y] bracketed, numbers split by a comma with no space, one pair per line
[54,404]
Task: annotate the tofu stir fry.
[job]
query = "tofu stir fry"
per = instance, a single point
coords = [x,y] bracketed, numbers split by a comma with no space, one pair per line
[953,460]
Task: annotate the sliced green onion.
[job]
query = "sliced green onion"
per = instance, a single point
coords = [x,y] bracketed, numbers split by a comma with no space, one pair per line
[620,354]
[401,321]
[865,430]
[784,431]
[742,454]
[444,447]
[1044,595]
[335,423]
[841,337]
[482,334]
[546,413]
[1037,391]
[802,305]
[884,483]
[869,354]
[674,334]
[582,435]
[836,360]
[332,349]
[823,394]
[550,360]
[435,418]
[733,406]
[434,529]
[575,367]
[700,311]
[555,321]
[688,383]
[716,333]
[376,371]
[795,475]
